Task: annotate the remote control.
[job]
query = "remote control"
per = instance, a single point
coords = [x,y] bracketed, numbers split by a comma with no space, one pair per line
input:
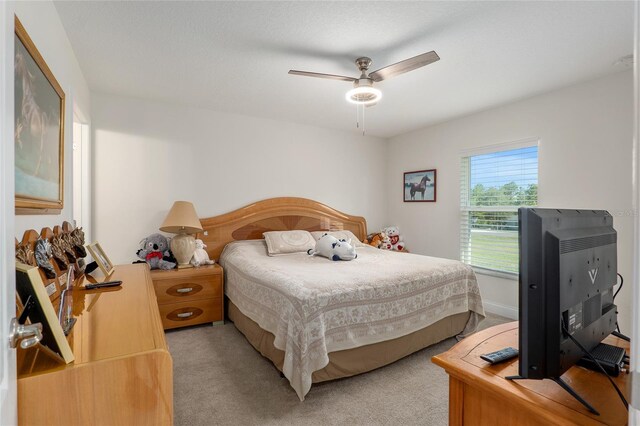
[501,355]
[102,285]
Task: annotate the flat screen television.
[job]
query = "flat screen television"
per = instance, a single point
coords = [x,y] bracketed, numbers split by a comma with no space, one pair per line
[568,268]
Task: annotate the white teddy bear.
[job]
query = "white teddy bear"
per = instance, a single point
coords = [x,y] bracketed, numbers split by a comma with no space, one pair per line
[334,249]
[200,256]
[395,238]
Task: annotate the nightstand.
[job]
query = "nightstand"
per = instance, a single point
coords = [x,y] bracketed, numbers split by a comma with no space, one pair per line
[189,296]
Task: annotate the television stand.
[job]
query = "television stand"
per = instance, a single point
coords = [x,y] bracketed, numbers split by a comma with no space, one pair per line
[621,336]
[480,395]
[566,387]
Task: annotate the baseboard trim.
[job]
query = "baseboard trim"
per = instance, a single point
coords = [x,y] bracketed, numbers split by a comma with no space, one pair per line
[500,309]
[634,416]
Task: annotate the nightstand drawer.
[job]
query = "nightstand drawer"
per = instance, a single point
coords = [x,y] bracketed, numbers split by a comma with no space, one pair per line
[188,288]
[189,296]
[190,312]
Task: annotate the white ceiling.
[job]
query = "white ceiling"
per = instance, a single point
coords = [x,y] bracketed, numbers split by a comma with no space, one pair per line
[234,56]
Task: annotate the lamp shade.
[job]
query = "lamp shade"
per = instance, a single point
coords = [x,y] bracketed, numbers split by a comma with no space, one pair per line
[182,218]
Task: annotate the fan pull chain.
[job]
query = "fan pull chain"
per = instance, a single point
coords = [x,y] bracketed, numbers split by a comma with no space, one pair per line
[363,107]
[358,108]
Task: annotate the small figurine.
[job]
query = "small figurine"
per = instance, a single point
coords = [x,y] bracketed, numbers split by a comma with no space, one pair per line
[57,248]
[43,257]
[67,245]
[77,237]
[25,255]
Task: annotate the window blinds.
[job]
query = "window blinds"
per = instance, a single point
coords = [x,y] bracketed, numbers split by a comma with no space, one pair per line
[492,187]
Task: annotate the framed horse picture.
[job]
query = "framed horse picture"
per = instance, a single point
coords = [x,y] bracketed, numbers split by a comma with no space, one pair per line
[39,130]
[420,186]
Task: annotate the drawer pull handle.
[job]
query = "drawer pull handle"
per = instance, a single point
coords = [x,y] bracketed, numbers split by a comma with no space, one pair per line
[184,314]
[185,290]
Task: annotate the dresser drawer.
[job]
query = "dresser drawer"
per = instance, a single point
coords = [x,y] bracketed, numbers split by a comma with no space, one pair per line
[192,312]
[188,288]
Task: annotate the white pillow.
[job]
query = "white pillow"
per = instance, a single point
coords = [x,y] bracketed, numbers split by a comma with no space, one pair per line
[341,235]
[287,242]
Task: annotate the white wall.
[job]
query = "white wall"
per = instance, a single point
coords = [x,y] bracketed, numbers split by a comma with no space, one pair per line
[585,154]
[148,154]
[43,25]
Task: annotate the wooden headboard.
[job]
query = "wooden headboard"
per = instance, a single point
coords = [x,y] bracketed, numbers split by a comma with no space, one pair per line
[275,214]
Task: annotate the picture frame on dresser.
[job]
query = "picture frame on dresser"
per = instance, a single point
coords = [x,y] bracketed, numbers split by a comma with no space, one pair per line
[39,135]
[101,258]
[419,186]
[29,286]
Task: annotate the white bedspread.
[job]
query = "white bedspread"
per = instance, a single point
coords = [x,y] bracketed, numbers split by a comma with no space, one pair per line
[314,306]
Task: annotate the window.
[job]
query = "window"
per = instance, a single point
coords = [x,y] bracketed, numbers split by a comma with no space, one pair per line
[494,183]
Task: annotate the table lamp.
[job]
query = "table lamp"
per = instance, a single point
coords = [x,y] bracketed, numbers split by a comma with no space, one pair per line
[182,220]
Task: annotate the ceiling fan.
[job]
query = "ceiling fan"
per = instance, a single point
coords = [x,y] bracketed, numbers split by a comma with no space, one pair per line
[363,92]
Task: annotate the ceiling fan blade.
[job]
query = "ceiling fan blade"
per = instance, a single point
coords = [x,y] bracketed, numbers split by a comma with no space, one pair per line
[320,75]
[404,66]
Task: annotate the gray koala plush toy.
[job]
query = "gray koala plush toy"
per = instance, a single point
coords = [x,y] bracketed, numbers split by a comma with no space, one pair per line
[155,251]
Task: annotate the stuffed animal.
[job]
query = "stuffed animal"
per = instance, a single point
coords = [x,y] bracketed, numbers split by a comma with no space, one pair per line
[394,237]
[155,251]
[373,240]
[385,242]
[334,249]
[200,256]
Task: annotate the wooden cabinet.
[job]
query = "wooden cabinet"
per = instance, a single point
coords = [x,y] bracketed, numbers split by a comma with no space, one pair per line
[189,296]
[122,373]
[479,394]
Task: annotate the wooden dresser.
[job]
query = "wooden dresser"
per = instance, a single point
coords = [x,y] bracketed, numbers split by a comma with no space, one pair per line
[479,394]
[122,373]
[190,296]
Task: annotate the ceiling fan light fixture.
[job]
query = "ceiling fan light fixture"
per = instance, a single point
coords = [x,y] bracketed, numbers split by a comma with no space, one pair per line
[363,95]
[363,92]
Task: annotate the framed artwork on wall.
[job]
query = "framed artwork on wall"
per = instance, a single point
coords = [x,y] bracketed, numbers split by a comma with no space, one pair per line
[101,258]
[39,130]
[420,186]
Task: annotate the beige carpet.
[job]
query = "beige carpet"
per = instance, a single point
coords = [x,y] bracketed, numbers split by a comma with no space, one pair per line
[219,379]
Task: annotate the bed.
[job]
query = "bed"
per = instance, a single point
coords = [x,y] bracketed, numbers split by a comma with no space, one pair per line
[319,320]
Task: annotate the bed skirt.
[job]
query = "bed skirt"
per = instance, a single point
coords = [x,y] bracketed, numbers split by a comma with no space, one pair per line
[354,361]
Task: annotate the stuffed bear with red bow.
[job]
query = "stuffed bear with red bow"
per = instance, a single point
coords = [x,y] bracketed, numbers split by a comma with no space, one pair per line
[155,251]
